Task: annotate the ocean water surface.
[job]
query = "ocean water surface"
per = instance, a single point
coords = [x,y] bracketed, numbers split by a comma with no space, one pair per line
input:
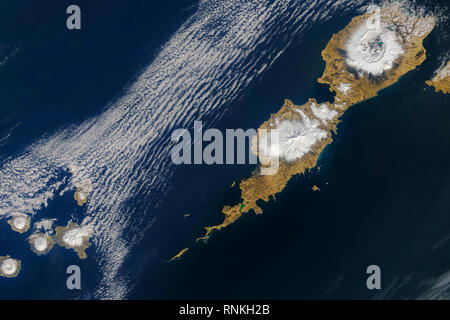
[106,100]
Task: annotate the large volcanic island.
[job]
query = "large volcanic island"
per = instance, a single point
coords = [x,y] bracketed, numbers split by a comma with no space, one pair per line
[371,53]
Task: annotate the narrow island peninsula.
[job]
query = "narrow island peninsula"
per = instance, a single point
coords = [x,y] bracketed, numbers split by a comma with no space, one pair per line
[178,256]
[371,53]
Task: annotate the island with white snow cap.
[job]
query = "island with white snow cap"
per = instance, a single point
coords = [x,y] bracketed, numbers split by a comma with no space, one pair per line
[74,237]
[20,223]
[371,53]
[9,267]
[41,243]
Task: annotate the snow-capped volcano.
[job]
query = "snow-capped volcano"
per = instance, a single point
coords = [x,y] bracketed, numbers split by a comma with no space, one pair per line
[383,38]
[373,51]
[292,139]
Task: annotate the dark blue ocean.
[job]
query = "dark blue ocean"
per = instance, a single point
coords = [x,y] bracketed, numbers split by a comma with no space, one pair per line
[384,182]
